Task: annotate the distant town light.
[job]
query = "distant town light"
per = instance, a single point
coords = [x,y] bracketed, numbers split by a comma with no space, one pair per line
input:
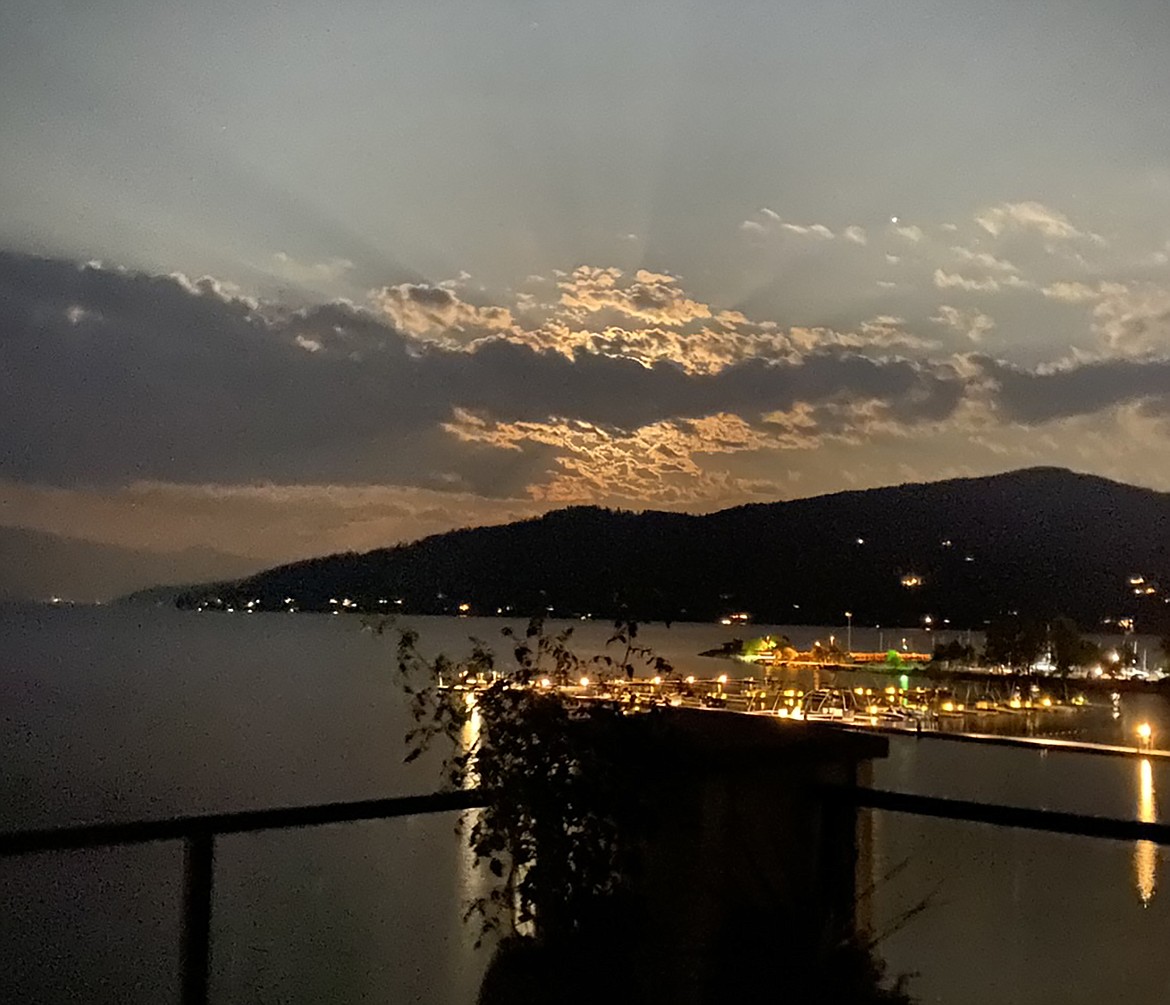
[690,680]
[584,681]
[464,608]
[545,682]
[1145,732]
[911,581]
[657,681]
[723,678]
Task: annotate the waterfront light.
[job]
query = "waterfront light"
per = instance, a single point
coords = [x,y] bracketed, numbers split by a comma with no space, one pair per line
[723,678]
[690,680]
[657,681]
[584,681]
[1145,733]
[545,682]
[1145,853]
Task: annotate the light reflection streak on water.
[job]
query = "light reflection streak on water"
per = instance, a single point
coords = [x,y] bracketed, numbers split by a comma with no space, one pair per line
[473,882]
[1145,853]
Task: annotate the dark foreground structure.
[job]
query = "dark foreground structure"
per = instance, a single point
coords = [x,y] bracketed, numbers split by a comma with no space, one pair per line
[745,886]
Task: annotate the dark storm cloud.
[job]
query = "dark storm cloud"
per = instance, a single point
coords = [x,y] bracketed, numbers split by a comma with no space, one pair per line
[109,377]
[1033,398]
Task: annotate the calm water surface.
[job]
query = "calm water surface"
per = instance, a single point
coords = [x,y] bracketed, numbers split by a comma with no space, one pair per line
[119,714]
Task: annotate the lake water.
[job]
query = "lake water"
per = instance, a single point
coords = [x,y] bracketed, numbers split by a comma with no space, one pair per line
[121,714]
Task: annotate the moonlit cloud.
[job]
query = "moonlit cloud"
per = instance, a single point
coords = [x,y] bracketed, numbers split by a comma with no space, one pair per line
[1027,216]
[1070,293]
[953,280]
[421,310]
[650,297]
[910,233]
[312,274]
[807,230]
[1133,319]
[983,259]
[972,324]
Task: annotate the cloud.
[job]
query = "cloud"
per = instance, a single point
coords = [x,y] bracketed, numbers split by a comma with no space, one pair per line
[772,221]
[984,260]
[661,463]
[953,280]
[1070,293]
[1027,216]
[431,310]
[1133,318]
[972,324]
[809,230]
[673,462]
[651,297]
[910,232]
[1036,397]
[312,274]
[181,382]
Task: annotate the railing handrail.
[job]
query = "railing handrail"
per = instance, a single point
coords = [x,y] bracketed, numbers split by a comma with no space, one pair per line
[85,836]
[968,811]
[31,842]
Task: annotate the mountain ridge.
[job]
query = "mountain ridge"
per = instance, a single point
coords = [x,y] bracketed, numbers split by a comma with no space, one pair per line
[1044,541]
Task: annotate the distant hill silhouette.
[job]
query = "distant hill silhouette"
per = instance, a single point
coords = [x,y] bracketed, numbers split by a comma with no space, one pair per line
[37,566]
[1042,541]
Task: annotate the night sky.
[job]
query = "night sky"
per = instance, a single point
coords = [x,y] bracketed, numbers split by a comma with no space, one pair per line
[284,279]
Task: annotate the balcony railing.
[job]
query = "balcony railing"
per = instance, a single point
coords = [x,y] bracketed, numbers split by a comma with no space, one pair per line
[199,835]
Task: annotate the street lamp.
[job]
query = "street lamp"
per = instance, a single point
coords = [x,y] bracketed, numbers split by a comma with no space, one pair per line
[849,632]
[1145,734]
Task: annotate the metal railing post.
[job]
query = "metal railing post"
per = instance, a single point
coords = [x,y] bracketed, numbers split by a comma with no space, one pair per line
[198,867]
